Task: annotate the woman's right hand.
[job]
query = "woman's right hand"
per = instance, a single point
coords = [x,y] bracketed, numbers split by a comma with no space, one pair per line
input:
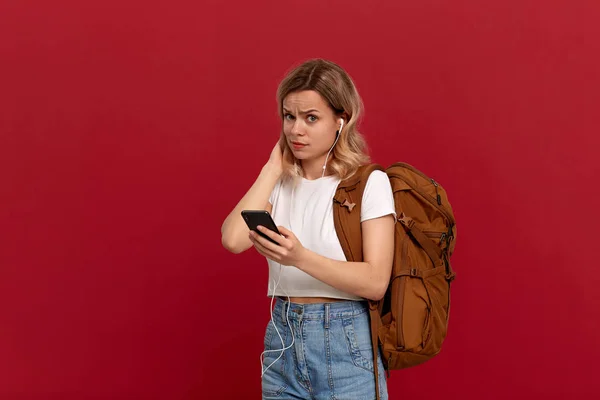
[275,162]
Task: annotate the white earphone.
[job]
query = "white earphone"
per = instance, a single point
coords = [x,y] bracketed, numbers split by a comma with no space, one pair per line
[287,318]
[283,346]
[337,136]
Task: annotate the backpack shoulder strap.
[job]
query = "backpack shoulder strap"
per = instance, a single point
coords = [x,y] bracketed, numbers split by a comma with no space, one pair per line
[347,204]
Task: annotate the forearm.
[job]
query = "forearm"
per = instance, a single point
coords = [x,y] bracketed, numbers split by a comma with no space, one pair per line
[357,278]
[234,232]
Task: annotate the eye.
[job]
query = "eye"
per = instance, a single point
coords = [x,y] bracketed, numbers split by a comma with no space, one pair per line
[312,118]
[288,117]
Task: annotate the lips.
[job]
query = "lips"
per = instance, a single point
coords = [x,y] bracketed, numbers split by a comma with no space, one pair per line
[298,145]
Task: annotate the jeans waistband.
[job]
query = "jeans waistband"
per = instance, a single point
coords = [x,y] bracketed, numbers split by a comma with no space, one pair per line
[322,311]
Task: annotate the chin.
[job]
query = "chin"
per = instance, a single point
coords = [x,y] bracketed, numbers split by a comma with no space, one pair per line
[300,155]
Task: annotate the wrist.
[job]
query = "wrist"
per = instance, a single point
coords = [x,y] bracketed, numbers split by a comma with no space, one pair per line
[272,170]
[304,258]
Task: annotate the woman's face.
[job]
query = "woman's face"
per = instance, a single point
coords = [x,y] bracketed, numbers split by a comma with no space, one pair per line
[309,124]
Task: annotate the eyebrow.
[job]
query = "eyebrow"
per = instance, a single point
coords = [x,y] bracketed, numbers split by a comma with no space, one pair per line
[303,112]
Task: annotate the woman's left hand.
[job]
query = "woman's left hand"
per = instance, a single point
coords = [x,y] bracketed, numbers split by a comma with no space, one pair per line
[289,252]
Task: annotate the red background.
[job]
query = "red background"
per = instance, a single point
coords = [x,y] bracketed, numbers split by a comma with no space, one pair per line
[130,129]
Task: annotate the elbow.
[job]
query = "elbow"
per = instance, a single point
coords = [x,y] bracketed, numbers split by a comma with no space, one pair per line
[379,283]
[376,295]
[378,290]
[229,246]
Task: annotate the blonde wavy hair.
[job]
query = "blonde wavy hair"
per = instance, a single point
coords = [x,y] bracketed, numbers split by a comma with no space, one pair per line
[337,88]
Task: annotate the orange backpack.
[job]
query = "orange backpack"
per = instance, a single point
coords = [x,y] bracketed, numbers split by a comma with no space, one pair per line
[410,322]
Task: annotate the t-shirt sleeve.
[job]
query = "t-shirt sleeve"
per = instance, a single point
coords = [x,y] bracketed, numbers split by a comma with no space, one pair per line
[378,198]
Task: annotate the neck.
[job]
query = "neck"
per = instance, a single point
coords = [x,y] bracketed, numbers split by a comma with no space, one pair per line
[313,169]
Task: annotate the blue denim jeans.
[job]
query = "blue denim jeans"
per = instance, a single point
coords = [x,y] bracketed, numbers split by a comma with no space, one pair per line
[331,356]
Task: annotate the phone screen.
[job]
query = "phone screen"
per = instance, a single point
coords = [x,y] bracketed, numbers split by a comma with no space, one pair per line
[254,218]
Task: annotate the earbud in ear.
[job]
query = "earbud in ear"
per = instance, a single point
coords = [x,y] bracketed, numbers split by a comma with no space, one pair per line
[337,136]
[341,126]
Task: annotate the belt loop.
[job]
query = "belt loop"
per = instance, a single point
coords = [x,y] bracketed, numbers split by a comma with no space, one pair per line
[327,315]
[284,311]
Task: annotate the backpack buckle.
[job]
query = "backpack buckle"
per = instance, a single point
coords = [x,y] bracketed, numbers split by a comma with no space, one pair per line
[350,206]
[406,221]
[450,277]
[414,272]
[373,305]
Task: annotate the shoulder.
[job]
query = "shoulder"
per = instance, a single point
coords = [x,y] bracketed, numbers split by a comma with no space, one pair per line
[378,197]
[377,179]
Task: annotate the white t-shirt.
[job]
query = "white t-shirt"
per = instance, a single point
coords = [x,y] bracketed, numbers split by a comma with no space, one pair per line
[309,215]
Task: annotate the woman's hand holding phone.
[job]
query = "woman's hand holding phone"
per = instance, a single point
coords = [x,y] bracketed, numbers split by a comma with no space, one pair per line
[289,251]
[277,243]
[274,242]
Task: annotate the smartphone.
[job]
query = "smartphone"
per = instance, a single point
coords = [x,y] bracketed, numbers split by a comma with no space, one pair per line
[254,218]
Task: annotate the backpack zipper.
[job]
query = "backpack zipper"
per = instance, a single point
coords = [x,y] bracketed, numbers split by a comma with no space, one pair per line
[399,332]
[431,234]
[437,195]
[433,202]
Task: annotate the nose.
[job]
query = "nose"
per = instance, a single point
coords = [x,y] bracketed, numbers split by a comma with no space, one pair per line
[297,128]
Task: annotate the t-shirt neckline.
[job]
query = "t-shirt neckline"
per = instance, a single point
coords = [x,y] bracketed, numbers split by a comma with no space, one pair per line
[324,178]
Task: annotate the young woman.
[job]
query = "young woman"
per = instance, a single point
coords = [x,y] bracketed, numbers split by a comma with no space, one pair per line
[318,343]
